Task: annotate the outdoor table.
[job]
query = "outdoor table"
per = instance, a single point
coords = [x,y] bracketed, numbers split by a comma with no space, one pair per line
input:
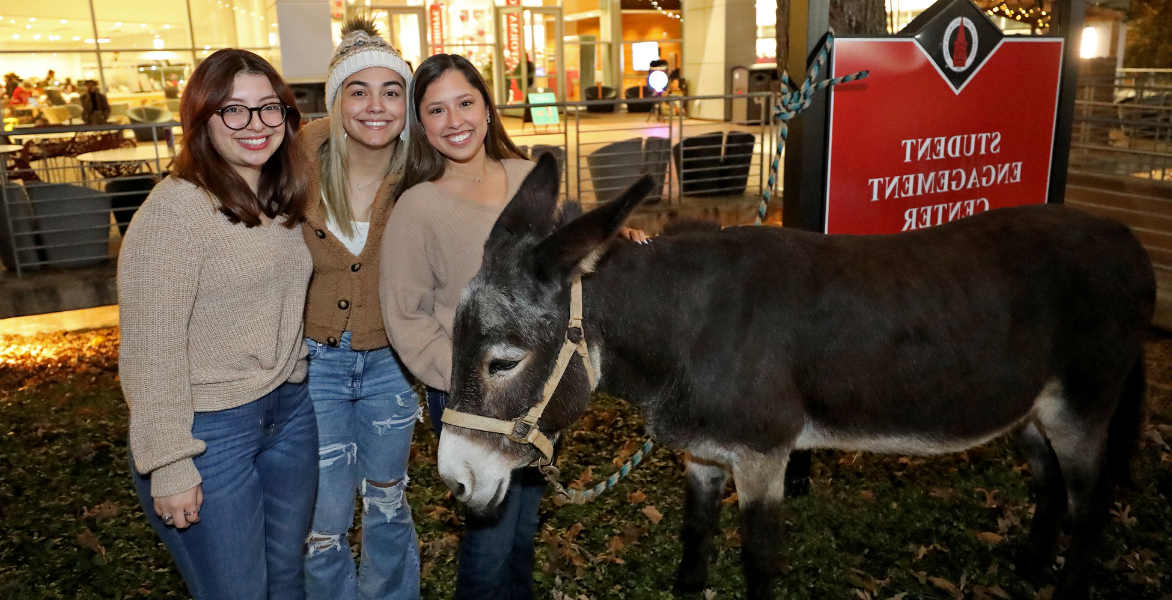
[126,161]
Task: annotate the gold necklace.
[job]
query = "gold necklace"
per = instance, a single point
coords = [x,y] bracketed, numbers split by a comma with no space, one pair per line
[362,186]
[472,179]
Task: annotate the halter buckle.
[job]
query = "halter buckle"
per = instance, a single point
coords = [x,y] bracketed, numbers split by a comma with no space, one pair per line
[522,429]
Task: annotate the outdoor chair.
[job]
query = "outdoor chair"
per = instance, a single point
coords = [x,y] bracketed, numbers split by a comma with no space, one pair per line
[118,112]
[126,196]
[616,166]
[17,216]
[150,114]
[698,163]
[595,92]
[75,111]
[637,103]
[74,222]
[737,161]
[558,152]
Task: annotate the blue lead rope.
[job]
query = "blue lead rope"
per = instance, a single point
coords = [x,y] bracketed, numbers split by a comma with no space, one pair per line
[577,497]
[795,101]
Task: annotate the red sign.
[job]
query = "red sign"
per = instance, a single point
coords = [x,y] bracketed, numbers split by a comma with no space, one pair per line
[435,14]
[940,130]
[513,37]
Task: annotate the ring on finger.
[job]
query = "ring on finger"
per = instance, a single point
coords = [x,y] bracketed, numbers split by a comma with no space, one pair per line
[189,513]
[167,520]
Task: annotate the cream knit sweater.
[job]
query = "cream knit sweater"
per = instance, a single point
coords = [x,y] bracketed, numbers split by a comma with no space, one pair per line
[432,248]
[211,319]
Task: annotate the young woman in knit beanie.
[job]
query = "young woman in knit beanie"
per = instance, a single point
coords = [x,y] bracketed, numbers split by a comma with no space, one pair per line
[211,285]
[366,408]
[462,169]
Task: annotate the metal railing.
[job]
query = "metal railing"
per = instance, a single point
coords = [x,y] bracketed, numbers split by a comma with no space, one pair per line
[1123,126]
[68,192]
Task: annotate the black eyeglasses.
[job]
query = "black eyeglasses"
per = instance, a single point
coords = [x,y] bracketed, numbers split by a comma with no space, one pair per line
[238,116]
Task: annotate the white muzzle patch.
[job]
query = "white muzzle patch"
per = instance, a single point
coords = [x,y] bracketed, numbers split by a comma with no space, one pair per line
[476,472]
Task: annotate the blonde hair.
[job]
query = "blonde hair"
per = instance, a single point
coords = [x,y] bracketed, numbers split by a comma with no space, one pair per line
[334,156]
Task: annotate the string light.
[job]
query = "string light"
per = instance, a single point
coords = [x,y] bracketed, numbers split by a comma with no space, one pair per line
[664,12]
[1037,18]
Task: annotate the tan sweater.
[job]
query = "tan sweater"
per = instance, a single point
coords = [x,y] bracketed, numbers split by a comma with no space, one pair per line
[210,314]
[343,295]
[431,250]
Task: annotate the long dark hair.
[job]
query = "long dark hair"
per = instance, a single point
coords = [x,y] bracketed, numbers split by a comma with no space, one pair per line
[425,163]
[284,186]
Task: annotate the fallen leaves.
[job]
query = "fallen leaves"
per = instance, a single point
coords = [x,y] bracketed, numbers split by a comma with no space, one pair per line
[1122,515]
[652,514]
[992,538]
[86,539]
[636,497]
[104,510]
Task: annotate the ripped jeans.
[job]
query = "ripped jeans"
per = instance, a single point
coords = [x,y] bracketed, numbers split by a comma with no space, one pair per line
[366,412]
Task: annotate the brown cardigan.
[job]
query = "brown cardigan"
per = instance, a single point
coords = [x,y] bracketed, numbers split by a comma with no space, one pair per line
[343,294]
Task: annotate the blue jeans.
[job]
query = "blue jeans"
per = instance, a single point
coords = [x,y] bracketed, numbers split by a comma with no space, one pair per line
[259,478]
[496,553]
[366,413]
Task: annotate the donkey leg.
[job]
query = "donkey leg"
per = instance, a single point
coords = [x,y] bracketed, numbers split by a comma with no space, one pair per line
[760,491]
[704,488]
[1080,445]
[1050,496]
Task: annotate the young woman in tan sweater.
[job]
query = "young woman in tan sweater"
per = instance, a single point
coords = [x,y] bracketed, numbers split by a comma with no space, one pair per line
[366,408]
[211,282]
[462,170]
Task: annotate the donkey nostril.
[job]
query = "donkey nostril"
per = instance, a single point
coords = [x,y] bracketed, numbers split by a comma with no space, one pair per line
[460,491]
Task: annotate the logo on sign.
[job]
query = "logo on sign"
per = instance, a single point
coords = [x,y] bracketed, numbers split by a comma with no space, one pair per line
[958,37]
[960,44]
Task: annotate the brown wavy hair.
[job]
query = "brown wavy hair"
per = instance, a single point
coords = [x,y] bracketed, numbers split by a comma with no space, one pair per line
[284,186]
[424,162]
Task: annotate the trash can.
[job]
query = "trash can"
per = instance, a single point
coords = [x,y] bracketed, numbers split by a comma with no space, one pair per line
[737,108]
[762,78]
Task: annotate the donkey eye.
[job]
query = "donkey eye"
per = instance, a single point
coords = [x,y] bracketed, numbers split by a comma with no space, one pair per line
[499,365]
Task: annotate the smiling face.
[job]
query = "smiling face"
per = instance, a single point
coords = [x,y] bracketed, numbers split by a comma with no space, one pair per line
[373,106]
[248,149]
[454,116]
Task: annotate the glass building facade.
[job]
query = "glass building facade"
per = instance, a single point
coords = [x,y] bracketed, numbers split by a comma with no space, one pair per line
[141,51]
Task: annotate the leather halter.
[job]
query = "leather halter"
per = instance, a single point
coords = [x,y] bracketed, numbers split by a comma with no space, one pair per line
[523,430]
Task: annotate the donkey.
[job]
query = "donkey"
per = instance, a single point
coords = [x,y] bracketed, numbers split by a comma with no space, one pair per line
[742,345]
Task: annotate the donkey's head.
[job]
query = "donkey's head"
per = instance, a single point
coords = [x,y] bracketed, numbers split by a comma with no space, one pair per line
[511,325]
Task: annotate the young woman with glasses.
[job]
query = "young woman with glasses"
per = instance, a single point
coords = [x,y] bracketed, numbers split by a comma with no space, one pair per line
[211,279]
[462,169]
[366,408]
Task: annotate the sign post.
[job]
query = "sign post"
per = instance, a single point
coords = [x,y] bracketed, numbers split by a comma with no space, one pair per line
[805,147]
[956,119]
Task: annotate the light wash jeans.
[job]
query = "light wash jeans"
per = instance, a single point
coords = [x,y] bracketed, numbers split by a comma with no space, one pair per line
[366,413]
[259,478]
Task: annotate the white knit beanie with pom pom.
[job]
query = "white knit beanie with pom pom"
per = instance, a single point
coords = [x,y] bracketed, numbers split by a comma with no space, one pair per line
[362,47]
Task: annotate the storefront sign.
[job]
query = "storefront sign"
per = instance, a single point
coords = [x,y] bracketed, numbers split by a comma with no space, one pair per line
[435,18]
[512,37]
[955,119]
[544,115]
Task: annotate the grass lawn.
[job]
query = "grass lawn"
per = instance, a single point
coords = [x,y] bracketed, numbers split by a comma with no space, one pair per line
[873,527]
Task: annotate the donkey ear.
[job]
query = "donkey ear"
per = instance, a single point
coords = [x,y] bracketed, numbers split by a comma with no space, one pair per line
[558,255]
[532,208]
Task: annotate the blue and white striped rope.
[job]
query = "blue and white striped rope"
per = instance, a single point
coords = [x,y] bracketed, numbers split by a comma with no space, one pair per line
[795,101]
[577,497]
